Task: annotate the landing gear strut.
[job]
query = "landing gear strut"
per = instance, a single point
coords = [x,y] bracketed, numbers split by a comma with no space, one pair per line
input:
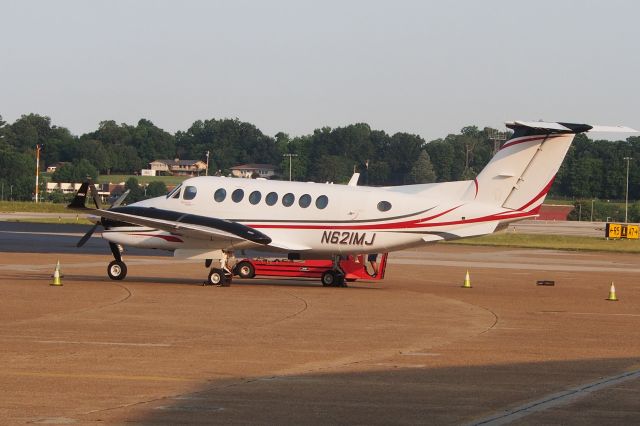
[117,269]
[222,276]
[334,277]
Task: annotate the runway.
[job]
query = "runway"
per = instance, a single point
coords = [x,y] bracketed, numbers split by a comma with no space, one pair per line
[416,348]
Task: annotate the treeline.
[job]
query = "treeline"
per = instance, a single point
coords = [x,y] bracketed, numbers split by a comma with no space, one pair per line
[594,169]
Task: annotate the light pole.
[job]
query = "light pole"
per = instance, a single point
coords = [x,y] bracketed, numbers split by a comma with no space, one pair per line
[592,210]
[207,170]
[38,148]
[580,212]
[626,196]
[289,155]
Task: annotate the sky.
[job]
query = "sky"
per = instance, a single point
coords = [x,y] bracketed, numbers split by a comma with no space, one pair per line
[292,66]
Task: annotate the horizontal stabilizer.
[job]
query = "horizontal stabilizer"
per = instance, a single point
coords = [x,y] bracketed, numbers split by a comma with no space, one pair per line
[560,127]
[613,129]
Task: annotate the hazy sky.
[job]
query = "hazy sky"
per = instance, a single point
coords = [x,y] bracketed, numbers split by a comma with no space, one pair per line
[424,67]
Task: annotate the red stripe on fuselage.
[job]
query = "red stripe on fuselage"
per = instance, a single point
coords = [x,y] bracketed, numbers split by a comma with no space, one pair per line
[403,225]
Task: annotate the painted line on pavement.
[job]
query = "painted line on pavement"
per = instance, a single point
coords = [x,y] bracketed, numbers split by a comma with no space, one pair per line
[556,399]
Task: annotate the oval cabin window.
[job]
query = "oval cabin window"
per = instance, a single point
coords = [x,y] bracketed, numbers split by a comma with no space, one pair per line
[322,202]
[271,198]
[237,195]
[384,206]
[288,199]
[304,201]
[220,195]
[255,197]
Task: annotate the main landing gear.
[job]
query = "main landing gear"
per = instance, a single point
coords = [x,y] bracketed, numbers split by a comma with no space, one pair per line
[117,269]
[220,277]
[334,277]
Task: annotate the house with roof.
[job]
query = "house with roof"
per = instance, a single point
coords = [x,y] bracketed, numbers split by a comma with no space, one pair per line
[265,171]
[177,167]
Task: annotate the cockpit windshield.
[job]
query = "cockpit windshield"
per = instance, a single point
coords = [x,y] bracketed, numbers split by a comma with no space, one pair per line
[174,190]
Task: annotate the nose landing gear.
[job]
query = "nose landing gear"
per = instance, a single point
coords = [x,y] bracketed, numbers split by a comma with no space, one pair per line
[117,269]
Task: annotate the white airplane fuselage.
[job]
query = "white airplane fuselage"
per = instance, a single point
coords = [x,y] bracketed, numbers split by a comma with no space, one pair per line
[352,222]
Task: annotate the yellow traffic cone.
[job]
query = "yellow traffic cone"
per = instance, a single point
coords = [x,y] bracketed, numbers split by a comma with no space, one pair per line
[612,293]
[56,275]
[467,281]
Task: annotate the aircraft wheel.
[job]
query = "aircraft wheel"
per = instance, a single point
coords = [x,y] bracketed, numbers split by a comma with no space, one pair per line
[219,278]
[117,270]
[332,278]
[245,270]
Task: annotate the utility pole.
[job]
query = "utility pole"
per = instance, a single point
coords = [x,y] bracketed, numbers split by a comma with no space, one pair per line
[290,156]
[592,210]
[207,169]
[38,148]
[626,196]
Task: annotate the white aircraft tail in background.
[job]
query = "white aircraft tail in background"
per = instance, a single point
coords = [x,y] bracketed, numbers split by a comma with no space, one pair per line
[211,217]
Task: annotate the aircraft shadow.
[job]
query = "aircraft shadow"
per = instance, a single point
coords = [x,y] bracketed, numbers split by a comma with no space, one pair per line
[399,394]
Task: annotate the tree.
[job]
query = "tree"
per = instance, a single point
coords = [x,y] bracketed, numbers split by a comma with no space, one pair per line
[156,189]
[17,174]
[136,193]
[422,170]
[75,172]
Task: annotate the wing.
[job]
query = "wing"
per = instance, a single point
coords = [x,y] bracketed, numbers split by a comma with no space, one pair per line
[190,225]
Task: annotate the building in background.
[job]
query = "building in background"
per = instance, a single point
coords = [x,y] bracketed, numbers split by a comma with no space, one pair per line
[178,167]
[265,171]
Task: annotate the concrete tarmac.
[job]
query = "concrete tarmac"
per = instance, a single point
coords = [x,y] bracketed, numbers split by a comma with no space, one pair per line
[415,348]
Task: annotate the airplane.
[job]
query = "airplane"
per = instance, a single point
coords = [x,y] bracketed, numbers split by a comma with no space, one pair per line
[210,217]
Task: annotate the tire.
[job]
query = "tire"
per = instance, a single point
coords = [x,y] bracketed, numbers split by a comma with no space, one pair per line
[117,270]
[245,270]
[331,278]
[216,277]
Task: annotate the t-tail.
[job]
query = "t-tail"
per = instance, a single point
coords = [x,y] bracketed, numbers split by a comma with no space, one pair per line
[520,175]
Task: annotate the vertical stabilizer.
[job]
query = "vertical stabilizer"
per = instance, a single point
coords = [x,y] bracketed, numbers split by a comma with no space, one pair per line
[520,175]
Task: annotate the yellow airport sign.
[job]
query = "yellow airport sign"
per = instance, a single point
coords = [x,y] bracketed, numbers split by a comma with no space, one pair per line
[617,231]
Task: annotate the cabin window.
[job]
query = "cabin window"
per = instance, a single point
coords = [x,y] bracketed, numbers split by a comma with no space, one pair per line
[176,194]
[271,198]
[322,202]
[384,206]
[190,193]
[220,195]
[255,197]
[305,201]
[237,195]
[288,199]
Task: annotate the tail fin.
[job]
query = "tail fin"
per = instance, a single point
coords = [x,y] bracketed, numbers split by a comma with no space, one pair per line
[78,202]
[520,175]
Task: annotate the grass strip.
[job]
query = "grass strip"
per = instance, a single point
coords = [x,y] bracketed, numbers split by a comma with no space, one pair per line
[553,242]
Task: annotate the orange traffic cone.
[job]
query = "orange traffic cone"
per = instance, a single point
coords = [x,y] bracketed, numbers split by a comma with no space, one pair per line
[467,281]
[612,293]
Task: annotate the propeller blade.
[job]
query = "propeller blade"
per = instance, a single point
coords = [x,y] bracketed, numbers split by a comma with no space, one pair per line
[94,193]
[88,235]
[121,198]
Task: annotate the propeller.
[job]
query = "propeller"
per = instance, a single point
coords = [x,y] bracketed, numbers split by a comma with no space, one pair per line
[98,204]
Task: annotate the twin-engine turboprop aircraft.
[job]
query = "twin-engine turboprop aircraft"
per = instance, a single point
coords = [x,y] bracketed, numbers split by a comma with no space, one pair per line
[211,217]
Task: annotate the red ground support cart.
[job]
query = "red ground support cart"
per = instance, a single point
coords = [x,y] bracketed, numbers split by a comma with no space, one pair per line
[355,267]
